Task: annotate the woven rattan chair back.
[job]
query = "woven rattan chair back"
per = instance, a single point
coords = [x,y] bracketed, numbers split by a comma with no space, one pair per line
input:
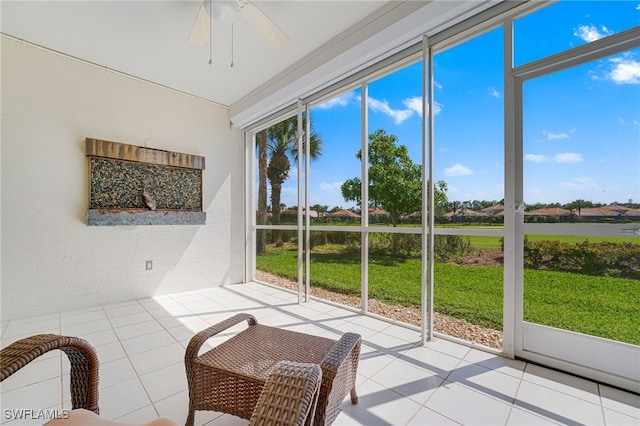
[82,357]
[289,396]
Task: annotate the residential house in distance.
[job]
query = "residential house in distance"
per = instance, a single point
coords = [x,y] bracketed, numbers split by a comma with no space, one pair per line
[495,210]
[344,214]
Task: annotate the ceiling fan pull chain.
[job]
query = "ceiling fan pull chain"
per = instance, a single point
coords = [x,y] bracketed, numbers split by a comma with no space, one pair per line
[231,44]
[210,36]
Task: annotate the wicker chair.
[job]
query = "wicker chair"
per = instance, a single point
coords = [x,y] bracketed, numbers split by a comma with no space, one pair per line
[82,356]
[83,380]
[289,396]
[230,377]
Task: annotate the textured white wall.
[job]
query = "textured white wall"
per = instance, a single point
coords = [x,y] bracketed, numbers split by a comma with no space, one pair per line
[51,260]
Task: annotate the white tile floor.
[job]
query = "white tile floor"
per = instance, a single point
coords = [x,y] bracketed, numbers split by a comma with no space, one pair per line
[141,345]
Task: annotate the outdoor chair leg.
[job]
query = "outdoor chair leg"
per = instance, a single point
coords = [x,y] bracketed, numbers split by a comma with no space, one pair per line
[190,418]
[354,396]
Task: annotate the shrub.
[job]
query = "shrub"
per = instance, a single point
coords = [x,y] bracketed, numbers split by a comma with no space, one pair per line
[620,260]
[403,245]
[451,248]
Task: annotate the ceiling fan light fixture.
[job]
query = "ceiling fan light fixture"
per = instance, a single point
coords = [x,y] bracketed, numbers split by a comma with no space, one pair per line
[222,10]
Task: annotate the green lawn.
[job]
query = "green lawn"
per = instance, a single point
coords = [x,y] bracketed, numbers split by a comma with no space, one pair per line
[601,306]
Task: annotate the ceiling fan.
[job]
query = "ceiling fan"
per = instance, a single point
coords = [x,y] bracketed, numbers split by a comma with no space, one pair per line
[224,10]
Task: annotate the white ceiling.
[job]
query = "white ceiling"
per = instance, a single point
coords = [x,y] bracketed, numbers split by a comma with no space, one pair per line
[148,39]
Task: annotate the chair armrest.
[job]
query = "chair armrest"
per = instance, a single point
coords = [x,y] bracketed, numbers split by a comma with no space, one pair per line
[82,358]
[339,353]
[198,340]
[339,370]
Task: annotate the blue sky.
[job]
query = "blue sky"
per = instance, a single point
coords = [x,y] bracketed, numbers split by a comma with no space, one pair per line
[581,126]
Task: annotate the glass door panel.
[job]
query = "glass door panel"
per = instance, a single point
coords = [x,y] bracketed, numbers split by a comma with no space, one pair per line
[469,160]
[334,247]
[394,270]
[581,184]
[276,201]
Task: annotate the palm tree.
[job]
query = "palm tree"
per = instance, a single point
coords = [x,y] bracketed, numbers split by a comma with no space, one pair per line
[261,236]
[282,144]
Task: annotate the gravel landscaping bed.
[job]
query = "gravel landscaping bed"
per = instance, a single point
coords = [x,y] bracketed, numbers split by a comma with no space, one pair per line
[409,315]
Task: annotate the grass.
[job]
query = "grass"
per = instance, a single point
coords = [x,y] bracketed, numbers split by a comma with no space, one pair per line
[600,306]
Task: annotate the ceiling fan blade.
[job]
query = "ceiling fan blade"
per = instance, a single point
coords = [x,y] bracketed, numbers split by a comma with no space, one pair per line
[201,28]
[263,24]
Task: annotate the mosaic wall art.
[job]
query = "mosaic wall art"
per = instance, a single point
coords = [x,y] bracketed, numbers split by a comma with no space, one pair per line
[120,184]
[132,185]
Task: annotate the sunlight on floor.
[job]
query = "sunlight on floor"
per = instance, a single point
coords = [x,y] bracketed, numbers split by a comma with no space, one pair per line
[141,346]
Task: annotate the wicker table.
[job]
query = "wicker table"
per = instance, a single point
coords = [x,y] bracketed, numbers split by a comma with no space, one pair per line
[230,377]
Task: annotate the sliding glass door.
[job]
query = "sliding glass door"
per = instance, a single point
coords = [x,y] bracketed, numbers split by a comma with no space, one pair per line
[580,157]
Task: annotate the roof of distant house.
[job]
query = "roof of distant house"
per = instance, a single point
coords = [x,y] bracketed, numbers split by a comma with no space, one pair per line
[551,211]
[377,212]
[496,208]
[465,213]
[344,213]
[597,211]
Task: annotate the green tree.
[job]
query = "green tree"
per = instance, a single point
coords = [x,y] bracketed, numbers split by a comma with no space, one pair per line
[320,208]
[395,182]
[577,206]
[282,145]
[456,207]
[261,234]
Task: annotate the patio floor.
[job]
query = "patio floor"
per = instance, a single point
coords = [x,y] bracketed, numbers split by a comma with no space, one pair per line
[141,346]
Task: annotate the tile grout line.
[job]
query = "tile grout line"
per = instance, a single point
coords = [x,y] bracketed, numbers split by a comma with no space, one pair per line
[515,397]
[131,364]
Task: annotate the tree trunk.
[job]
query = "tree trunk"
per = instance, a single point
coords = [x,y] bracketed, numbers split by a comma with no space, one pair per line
[395,238]
[275,211]
[277,172]
[261,234]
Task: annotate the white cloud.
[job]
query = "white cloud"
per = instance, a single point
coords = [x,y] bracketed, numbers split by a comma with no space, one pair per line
[638,6]
[330,187]
[415,104]
[579,184]
[398,115]
[437,108]
[458,170]
[568,157]
[342,100]
[556,136]
[452,189]
[565,158]
[590,33]
[560,135]
[535,158]
[412,105]
[624,70]
[493,92]
[437,85]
